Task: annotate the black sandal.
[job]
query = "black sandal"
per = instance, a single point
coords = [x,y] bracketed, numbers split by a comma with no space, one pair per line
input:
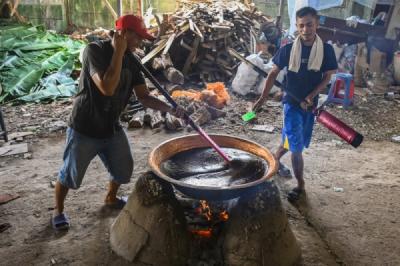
[295,194]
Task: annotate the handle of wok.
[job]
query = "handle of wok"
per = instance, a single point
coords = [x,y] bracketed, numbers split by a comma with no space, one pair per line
[190,121]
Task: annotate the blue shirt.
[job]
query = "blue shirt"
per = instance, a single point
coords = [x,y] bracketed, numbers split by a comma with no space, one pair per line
[303,82]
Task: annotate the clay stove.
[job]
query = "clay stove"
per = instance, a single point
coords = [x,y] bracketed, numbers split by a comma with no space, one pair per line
[167,222]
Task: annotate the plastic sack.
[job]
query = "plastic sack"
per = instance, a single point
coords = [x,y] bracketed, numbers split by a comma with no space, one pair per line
[248,80]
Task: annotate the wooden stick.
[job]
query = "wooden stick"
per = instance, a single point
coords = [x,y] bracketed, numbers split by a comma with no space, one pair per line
[191,56]
[169,43]
[111,9]
[16,3]
[154,52]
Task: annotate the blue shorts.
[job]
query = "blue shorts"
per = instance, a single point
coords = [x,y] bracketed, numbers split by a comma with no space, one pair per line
[297,128]
[80,150]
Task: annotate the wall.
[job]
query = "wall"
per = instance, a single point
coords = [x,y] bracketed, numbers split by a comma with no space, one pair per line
[94,13]
[84,13]
[47,12]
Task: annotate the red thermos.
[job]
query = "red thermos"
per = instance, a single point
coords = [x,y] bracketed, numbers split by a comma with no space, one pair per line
[339,128]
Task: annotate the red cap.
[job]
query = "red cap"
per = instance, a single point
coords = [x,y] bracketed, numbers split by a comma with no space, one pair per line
[134,23]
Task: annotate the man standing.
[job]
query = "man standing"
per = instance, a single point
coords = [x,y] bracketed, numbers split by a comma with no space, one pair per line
[107,78]
[310,64]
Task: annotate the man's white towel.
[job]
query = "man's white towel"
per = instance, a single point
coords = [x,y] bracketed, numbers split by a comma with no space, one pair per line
[315,59]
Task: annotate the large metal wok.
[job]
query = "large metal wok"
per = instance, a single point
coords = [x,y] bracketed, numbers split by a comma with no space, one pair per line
[169,148]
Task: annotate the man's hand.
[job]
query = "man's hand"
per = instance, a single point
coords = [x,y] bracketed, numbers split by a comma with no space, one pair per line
[307,104]
[119,42]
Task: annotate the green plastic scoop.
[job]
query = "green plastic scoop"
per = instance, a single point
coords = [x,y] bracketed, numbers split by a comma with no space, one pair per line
[249,116]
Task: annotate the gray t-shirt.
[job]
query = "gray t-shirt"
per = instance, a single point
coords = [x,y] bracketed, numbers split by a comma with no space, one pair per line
[95,114]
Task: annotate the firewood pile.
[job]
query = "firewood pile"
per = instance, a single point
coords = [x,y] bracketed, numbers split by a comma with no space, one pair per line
[202,106]
[196,38]
[139,117]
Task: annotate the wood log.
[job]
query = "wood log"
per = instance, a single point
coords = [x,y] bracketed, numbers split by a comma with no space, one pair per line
[174,75]
[147,116]
[185,45]
[215,113]
[162,62]
[201,116]
[137,121]
[156,119]
[172,122]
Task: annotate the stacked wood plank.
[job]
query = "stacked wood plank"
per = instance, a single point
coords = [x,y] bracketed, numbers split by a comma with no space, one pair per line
[198,35]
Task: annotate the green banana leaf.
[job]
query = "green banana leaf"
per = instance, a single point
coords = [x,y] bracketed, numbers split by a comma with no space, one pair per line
[57,85]
[22,84]
[50,93]
[29,54]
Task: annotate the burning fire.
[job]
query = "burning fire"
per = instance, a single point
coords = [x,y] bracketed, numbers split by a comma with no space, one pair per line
[223,216]
[203,233]
[205,210]
[213,218]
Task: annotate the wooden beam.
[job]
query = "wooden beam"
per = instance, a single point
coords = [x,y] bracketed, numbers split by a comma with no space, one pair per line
[111,9]
[191,25]
[155,51]
[191,56]
[16,3]
[169,43]
[14,149]
[67,13]
[198,32]
[139,10]
[279,20]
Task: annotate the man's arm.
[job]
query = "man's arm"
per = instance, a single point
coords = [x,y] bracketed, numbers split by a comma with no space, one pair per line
[107,82]
[143,95]
[273,73]
[321,86]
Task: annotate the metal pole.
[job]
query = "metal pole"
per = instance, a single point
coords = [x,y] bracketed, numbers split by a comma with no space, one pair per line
[119,8]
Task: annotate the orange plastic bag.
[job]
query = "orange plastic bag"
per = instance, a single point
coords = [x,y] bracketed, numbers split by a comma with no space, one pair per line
[189,94]
[220,91]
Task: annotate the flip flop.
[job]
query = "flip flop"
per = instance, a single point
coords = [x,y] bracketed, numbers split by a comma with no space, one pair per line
[60,222]
[284,171]
[295,194]
[119,205]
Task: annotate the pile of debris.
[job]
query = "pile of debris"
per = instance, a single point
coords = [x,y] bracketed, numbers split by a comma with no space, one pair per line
[198,36]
